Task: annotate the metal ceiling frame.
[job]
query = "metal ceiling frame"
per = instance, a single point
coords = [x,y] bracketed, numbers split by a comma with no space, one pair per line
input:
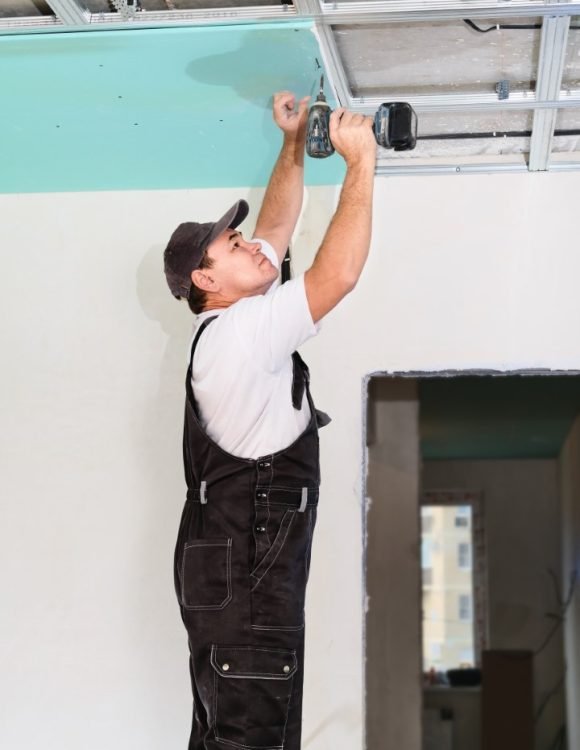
[549,84]
[545,101]
[69,12]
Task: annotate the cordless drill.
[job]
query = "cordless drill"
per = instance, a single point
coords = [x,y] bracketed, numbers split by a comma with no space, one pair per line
[395,126]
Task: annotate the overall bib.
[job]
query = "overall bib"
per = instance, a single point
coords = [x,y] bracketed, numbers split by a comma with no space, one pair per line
[241,566]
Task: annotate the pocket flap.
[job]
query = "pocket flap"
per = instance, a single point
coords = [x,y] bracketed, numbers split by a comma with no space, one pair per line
[253,661]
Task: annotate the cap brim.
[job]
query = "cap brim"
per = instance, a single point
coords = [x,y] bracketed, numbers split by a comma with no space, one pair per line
[232,218]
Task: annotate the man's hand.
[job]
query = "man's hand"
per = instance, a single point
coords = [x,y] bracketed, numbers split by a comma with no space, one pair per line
[291,122]
[352,136]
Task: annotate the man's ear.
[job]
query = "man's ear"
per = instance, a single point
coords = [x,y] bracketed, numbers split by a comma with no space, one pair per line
[203,281]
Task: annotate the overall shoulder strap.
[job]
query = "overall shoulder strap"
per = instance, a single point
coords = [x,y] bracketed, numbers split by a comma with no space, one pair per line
[300,379]
[200,330]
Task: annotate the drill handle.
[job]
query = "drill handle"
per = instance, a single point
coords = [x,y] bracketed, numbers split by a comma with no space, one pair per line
[318,143]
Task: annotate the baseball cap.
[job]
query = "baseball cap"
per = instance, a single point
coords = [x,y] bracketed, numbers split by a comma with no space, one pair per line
[188,243]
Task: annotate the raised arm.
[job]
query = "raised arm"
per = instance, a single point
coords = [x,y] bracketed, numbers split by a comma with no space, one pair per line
[283,198]
[344,249]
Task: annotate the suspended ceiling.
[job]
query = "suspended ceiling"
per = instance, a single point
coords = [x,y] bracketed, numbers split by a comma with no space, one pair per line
[424,52]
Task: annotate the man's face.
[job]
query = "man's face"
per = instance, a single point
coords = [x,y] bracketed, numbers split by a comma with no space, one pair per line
[240,268]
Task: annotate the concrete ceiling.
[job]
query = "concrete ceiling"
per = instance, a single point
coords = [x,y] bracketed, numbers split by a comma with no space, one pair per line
[411,50]
[486,417]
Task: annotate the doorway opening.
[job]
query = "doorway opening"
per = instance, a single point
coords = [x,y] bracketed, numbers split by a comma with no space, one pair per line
[472,558]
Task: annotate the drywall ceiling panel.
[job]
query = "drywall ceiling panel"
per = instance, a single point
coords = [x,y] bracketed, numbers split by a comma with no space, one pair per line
[155,109]
[571,76]
[436,58]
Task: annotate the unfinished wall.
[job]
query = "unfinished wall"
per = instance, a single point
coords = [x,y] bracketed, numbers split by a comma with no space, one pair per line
[393,623]
[570,481]
[522,517]
[464,272]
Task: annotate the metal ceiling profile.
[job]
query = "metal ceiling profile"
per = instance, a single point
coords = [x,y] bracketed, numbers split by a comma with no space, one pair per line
[333,20]
[69,12]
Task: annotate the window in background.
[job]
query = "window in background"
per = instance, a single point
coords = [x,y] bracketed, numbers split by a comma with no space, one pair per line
[453,578]
[464,607]
[462,516]
[464,556]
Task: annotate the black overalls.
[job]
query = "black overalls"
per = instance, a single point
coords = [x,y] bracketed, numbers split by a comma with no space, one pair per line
[241,566]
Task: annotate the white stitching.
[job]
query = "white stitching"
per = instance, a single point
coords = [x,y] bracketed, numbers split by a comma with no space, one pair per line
[201,543]
[280,548]
[285,652]
[207,543]
[290,678]
[288,706]
[248,747]
[215,691]
[277,627]
[276,544]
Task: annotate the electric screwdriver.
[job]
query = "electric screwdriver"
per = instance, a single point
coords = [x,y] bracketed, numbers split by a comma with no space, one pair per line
[394,126]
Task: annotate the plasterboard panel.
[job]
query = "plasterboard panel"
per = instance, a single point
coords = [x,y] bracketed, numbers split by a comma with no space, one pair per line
[155,109]
[432,58]
[571,75]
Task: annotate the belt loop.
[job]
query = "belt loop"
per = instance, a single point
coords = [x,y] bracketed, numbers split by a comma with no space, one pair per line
[202,496]
[304,500]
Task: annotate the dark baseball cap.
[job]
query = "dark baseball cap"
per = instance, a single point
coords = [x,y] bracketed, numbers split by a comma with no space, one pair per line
[188,243]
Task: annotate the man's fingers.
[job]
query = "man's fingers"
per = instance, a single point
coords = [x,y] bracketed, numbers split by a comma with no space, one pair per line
[284,100]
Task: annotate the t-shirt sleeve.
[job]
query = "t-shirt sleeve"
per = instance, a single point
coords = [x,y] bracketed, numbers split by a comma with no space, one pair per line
[270,327]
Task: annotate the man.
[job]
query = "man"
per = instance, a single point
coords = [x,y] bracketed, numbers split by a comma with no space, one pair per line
[250,444]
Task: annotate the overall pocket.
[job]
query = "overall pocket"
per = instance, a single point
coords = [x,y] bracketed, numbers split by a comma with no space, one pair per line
[278,581]
[252,691]
[206,573]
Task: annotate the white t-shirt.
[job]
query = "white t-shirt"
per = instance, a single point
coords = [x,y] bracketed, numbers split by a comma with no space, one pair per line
[242,368]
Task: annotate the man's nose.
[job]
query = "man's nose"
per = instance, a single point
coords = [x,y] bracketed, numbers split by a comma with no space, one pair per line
[254,247]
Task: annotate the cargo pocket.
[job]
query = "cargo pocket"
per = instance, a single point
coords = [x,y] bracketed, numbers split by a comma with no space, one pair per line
[206,573]
[252,690]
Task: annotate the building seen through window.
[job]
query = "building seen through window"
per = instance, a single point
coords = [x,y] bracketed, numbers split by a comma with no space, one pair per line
[447,580]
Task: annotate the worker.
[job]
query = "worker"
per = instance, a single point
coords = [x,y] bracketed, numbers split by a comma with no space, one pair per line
[250,444]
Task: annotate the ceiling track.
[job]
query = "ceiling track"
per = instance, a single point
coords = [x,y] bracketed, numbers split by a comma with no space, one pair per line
[469,102]
[70,14]
[553,48]
[391,11]
[407,170]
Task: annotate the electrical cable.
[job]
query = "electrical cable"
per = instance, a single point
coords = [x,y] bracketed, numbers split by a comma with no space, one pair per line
[500,27]
[492,134]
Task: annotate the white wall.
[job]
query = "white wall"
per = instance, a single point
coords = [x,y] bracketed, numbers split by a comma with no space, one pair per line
[522,524]
[466,271]
[570,482]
